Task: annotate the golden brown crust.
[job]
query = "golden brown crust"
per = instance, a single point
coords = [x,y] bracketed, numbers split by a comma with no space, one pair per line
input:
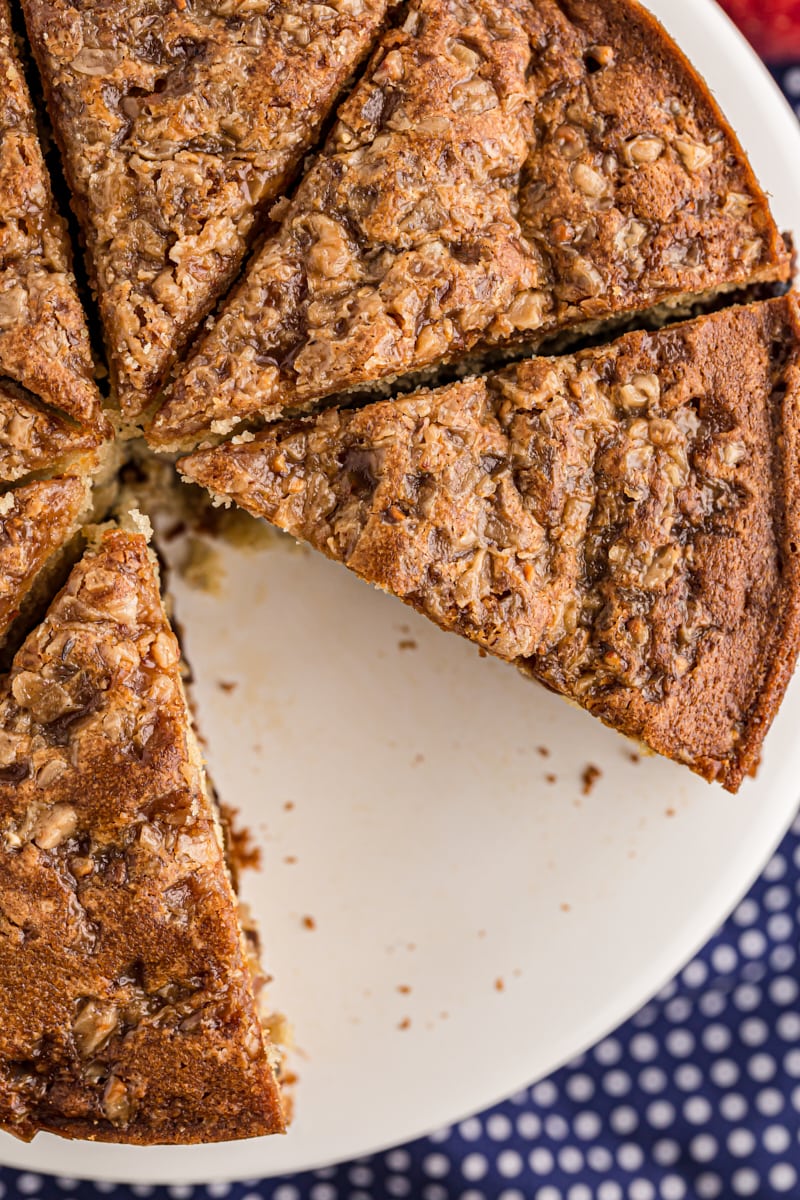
[623,524]
[36,521]
[44,345]
[179,123]
[35,438]
[504,169]
[128,1011]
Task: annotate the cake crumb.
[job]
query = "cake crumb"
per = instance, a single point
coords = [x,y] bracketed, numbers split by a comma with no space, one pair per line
[634,757]
[309,923]
[590,777]
[444,1016]
[226,685]
[418,760]
[406,644]
[565,908]
[288,806]
[201,568]
[243,851]
[405,1023]
[291,859]
[550,778]
[499,984]
[403,988]
[670,812]
[543,751]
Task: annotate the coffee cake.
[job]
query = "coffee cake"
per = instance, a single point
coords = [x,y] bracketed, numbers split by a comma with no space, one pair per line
[504,169]
[127,997]
[622,524]
[37,523]
[49,405]
[179,123]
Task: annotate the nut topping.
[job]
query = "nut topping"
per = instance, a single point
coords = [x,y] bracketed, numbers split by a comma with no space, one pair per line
[54,826]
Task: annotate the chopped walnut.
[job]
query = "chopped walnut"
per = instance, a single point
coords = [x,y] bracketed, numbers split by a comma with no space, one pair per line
[93,1025]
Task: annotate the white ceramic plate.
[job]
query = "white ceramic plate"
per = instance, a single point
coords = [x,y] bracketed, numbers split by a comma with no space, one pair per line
[431,851]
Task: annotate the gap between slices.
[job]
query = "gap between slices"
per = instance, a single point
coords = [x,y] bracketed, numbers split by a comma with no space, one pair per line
[129,1011]
[623,524]
[502,171]
[179,124]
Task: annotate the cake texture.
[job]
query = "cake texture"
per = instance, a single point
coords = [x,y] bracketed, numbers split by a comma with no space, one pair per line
[179,123]
[49,404]
[128,1006]
[37,523]
[622,524]
[502,171]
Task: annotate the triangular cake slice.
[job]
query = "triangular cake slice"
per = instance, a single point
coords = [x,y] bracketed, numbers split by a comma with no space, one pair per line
[128,1005]
[623,524]
[49,404]
[503,170]
[179,122]
[38,522]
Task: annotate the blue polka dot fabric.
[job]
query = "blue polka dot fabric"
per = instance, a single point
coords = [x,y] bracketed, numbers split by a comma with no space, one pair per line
[697,1097]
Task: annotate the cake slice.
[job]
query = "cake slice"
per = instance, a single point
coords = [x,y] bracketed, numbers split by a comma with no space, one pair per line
[623,524]
[49,404]
[179,122]
[503,170]
[39,522]
[128,1002]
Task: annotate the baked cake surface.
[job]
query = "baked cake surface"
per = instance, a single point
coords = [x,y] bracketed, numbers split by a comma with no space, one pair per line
[504,169]
[179,122]
[128,1008]
[45,357]
[37,521]
[623,524]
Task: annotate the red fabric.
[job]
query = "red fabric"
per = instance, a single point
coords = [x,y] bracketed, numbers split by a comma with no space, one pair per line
[773,26]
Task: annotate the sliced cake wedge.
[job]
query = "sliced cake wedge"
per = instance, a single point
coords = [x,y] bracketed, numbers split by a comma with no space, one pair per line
[622,524]
[49,404]
[128,999]
[179,123]
[39,522]
[504,170]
